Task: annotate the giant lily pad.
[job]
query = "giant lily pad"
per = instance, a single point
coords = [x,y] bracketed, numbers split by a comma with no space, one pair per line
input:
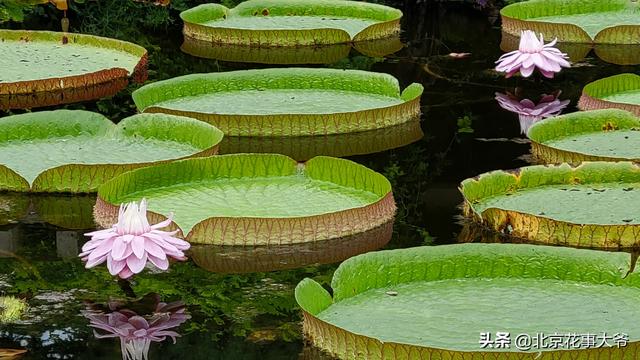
[619,91]
[291,22]
[299,55]
[255,199]
[42,68]
[434,302]
[285,102]
[249,259]
[75,151]
[596,204]
[607,135]
[581,21]
[339,145]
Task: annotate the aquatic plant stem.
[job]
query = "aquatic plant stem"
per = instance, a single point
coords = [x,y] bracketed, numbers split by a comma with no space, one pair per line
[125,286]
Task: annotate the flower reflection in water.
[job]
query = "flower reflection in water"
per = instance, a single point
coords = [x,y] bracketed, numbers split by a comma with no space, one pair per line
[135,331]
[529,112]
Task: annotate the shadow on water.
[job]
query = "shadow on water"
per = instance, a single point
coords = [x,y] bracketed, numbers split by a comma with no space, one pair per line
[254,316]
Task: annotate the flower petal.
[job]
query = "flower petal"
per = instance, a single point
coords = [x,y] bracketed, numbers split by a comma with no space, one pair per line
[115,266]
[137,245]
[162,264]
[136,264]
[119,247]
[125,273]
[527,71]
[153,249]
[96,261]
[101,250]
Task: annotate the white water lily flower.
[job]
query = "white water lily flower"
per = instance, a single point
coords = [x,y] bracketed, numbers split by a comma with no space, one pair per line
[132,242]
[531,54]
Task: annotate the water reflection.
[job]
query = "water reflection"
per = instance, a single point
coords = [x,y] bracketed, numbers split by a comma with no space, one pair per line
[9,241]
[250,316]
[65,211]
[310,352]
[137,329]
[325,54]
[67,242]
[13,207]
[530,112]
[303,148]
[614,54]
[236,259]
[8,354]
[619,54]
[67,96]
[473,232]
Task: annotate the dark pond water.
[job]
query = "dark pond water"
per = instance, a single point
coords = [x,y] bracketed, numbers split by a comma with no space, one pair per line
[253,315]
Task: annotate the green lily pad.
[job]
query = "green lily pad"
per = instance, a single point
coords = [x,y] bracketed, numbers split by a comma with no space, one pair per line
[582,21]
[251,259]
[285,102]
[75,151]
[605,135]
[299,55]
[595,204]
[255,199]
[434,302]
[619,91]
[291,22]
[303,148]
[73,67]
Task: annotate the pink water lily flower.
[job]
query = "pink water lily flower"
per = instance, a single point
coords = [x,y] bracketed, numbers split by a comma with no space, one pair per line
[132,242]
[531,54]
[529,112]
[137,332]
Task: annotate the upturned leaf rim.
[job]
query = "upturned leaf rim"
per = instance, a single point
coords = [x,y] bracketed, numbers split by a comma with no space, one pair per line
[383,269]
[543,229]
[69,89]
[387,22]
[83,178]
[516,18]
[582,122]
[593,94]
[253,231]
[149,96]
